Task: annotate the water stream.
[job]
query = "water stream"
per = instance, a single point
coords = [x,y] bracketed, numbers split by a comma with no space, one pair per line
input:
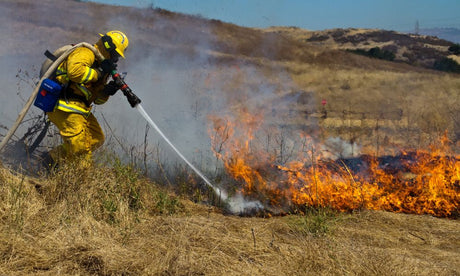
[218,191]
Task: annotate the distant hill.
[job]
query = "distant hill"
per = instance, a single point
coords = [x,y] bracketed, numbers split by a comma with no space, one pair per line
[450,34]
[415,49]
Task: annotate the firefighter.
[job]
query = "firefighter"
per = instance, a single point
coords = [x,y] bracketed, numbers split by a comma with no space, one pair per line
[84,80]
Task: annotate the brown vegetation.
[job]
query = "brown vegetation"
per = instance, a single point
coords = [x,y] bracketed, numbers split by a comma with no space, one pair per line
[115,223]
[418,50]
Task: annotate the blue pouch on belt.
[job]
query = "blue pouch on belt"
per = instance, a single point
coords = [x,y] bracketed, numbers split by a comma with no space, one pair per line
[48,95]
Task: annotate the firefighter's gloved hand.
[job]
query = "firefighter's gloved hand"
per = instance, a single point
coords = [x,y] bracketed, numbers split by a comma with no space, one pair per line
[108,66]
[100,74]
[110,88]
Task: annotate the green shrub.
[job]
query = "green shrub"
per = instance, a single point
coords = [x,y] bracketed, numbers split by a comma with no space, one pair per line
[447,64]
[315,221]
[375,52]
[455,49]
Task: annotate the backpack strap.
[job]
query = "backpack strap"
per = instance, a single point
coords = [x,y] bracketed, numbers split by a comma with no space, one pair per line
[50,55]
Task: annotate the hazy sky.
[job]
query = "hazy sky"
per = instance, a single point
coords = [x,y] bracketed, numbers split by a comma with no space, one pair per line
[399,15]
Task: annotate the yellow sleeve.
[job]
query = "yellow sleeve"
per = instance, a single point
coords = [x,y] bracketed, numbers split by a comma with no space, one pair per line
[79,65]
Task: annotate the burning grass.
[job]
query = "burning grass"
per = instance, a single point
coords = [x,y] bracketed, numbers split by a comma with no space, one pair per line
[428,186]
[107,220]
[426,183]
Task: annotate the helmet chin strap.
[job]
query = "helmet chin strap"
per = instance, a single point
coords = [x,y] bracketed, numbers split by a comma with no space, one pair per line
[114,56]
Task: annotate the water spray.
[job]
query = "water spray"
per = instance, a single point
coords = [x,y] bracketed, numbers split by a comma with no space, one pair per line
[135,102]
[237,204]
[144,114]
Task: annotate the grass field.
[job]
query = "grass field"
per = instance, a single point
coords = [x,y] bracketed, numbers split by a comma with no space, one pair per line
[116,223]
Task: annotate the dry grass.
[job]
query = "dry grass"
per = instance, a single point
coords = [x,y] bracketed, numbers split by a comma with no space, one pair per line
[416,105]
[408,108]
[62,225]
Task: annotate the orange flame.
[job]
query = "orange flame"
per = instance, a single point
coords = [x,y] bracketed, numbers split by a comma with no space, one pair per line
[429,183]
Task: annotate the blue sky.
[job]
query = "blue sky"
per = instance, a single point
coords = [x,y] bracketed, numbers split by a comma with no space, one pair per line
[399,15]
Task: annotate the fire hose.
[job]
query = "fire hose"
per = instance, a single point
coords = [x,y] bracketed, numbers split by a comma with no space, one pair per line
[132,98]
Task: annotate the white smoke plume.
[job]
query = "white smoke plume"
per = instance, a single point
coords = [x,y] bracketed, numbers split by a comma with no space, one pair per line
[171,66]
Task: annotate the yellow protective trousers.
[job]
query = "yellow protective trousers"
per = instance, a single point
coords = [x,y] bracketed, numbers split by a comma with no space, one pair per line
[80,134]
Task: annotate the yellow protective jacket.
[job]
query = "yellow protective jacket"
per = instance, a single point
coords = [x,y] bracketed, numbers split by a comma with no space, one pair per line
[78,72]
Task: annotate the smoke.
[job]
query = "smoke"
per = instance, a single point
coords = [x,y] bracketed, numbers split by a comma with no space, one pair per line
[167,80]
[335,147]
[182,82]
[239,205]
[173,67]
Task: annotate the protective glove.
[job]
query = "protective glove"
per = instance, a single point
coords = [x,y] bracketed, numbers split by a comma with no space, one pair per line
[100,74]
[108,66]
[110,88]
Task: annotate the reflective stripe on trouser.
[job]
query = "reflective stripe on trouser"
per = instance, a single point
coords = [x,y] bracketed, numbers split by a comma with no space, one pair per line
[80,134]
[74,107]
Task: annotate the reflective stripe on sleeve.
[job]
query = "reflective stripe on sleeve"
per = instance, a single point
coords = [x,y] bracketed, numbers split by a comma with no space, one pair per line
[89,75]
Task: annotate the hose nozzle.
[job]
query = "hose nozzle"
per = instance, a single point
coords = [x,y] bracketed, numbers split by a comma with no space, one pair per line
[132,98]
